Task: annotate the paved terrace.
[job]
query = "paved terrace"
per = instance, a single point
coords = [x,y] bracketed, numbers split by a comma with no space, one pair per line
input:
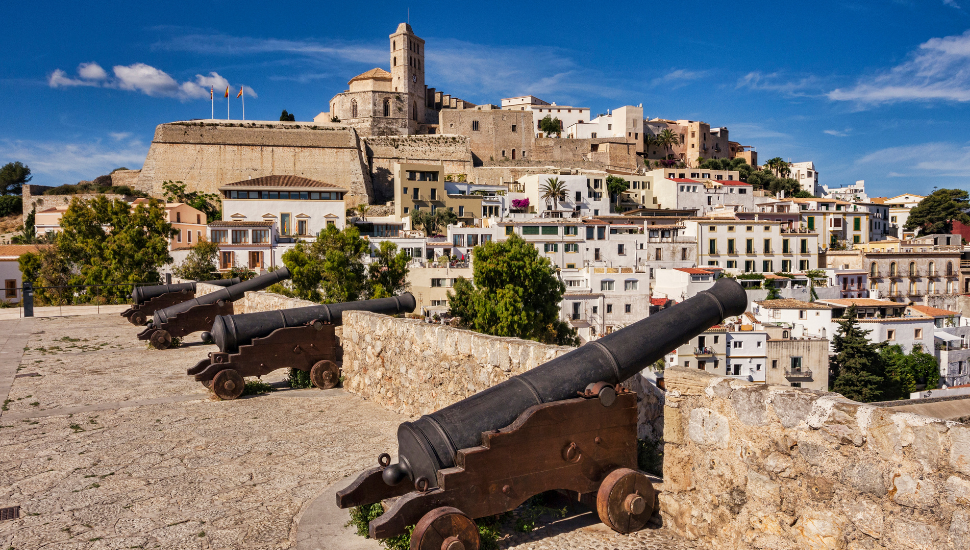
[108,444]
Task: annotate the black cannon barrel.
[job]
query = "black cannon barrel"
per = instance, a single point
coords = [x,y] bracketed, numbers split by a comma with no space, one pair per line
[228,294]
[431,442]
[231,331]
[142,294]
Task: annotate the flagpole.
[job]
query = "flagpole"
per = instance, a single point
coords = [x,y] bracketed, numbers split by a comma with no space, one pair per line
[212,101]
[242,91]
[227,104]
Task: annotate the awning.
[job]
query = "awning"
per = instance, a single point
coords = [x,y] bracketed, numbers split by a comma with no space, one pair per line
[947,337]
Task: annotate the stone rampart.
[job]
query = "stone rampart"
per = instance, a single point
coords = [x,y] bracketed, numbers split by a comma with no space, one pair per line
[207,155]
[756,466]
[383,151]
[34,197]
[127,177]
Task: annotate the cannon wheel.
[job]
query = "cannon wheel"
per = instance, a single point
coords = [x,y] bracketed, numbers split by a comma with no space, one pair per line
[325,374]
[625,500]
[161,339]
[207,384]
[228,384]
[137,318]
[445,528]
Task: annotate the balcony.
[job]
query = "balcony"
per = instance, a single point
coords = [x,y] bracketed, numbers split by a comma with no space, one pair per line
[914,274]
[798,375]
[704,352]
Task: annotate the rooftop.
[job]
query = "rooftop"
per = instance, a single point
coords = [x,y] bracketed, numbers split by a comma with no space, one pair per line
[226,223]
[791,303]
[16,250]
[373,74]
[694,270]
[935,311]
[280,182]
[864,302]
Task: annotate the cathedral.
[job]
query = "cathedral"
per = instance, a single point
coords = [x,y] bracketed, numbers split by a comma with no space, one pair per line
[381,103]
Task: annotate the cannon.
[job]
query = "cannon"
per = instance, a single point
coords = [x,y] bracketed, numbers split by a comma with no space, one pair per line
[146,300]
[198,314]
[564,425]
[255,344]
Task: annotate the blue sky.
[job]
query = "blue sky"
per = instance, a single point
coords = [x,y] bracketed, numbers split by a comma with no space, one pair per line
[874,90]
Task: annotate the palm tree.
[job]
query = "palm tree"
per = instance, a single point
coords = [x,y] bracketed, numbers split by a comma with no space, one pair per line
[362,209]
[648,142]
[554,189]
[667,139]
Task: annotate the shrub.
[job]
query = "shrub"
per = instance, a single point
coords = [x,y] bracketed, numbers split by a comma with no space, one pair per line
[11,204]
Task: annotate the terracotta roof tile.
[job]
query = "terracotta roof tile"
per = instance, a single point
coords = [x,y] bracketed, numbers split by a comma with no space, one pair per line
[15,250]
[280,181]
[934,311]
[376,73]
[864,302]
[791,303]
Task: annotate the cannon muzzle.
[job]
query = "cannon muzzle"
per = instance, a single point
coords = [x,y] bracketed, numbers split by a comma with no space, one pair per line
[228,294]
[142,294]
[432,442]
[231,331]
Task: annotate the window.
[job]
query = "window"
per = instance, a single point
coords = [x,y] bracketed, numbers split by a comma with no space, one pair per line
[766,266]
[551,247]
[178,217]
[227,259]
[749,246]
[606,285]
[458,240]
[513,127]
[10,288]
[918,334]
[892,269]
[461,210]
[387,107]
[785,246]
[804,246]
[188,234]
[574,231]
[260,236]
[857,224]
[786,266]
[530,230]
[767,249]
[178,237]
[220,236]
[595,309]
[731,248]
[571,247]
[301,227]
[353,108]
[749,266]
[801,314]
[774,363]
[285,227]
[440,283]
[890,335]
[255,260]
[620,250]
[684,253]
[609,308]
[811,223]
[856,239]
[550,230]
[474,126]
[712,246]
[737,344]
[731,264]
[630,285]
[627,309]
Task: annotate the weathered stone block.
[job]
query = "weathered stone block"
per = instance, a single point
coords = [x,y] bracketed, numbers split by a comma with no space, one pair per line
[957,491]
[866,516]
[763,489]
[779,463]
[816,529]
[866,477]
[960,449]
[707,427]
[750,405]
[910,534]
[960,529]
[678,466]
[915,493]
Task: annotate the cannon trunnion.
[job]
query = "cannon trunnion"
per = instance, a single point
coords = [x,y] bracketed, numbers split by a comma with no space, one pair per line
[198,314]
[147,300]
[302,338]
[489,452]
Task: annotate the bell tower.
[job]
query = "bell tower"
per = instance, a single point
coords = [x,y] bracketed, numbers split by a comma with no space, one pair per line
[407,72]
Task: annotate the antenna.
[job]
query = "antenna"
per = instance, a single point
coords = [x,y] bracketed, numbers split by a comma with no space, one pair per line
[409,15]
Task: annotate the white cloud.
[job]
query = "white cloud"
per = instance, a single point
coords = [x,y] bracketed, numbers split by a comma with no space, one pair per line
[749,131]
[939,70]
[952,4]
[91,71]
[836,133]
[778,82]
[56,163]
[151,81]
[678,78]
[934,159]
[119,136]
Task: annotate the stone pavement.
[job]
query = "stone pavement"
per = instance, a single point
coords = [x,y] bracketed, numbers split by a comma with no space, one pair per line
[7,314]
[107,444]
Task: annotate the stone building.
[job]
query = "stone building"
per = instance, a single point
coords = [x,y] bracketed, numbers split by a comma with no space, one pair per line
[752,246]
[422,187]
[922,274]
[494,134]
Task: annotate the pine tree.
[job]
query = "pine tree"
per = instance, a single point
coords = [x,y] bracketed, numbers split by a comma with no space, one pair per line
[858,369]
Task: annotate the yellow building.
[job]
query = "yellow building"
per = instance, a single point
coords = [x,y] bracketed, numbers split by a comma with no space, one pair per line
[422,187]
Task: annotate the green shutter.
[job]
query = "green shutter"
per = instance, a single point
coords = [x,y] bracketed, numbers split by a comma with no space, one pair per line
[530,229]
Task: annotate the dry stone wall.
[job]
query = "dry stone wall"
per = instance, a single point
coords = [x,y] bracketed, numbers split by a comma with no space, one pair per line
[756,466]
[34,197]
[206,155]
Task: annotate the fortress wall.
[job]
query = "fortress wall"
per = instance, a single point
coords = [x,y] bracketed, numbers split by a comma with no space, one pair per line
[383,151]
[127,177]
[206,156]
[756,466]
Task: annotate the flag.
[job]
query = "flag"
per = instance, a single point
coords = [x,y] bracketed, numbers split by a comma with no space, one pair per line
[240,92]
[212,91]
[227,91]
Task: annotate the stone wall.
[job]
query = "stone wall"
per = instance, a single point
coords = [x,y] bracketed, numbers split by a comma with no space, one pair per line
[33,196]
[129,178]
[610,153]
[207,155]
[755,466]
[382,152]
[414,368]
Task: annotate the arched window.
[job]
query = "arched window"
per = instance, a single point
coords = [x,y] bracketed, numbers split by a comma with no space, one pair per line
[892,269]
[387,107]
[414,110]
[873,270]
[912,269]
[932,269]
[949,269]
[353,108]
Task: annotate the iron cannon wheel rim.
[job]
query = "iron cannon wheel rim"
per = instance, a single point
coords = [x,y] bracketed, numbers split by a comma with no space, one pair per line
[161,339]
[228,384]
[325,374]
[442,528]
[137,318]
[620,490]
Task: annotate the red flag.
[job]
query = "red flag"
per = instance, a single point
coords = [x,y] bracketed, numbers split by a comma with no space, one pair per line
[212,91]
[227,91]
[240,92]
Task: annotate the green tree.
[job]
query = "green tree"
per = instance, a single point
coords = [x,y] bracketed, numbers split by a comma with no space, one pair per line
[858,369]
[936,213]
[13,176]
[554,189]
[329,269]
[287,117]
[550,125]
[28,231]
[10,205]
[200,263]
[910,370]
[514,292]
[666,139]
[209,204]
[388,271]
[773,293]
[616,186]
[432,223]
